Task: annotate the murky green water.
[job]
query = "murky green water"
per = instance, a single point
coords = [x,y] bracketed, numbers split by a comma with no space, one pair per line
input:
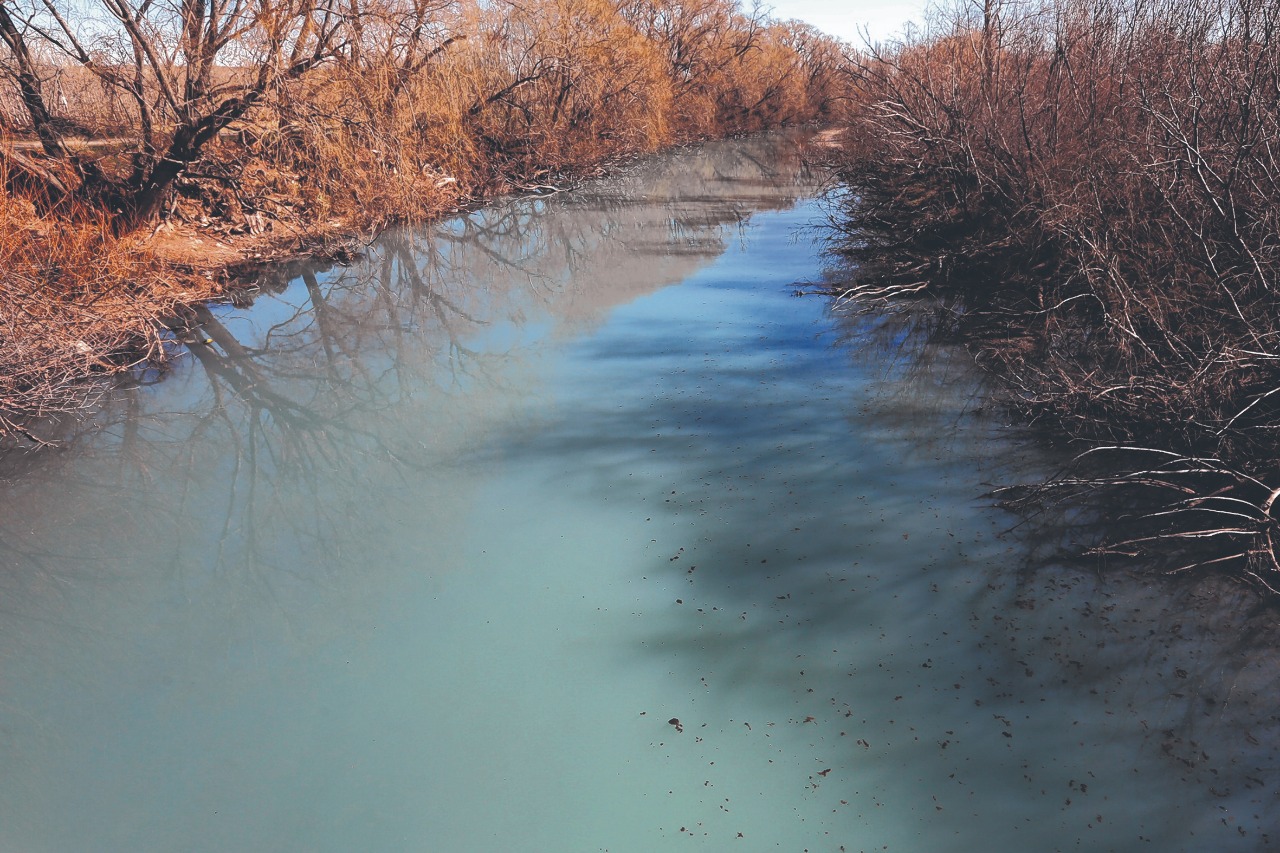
[430,553]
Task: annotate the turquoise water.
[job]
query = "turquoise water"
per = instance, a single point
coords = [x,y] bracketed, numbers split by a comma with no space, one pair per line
[429,552]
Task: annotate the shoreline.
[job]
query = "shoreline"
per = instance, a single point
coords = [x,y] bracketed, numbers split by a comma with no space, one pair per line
[196,265]
[295,133]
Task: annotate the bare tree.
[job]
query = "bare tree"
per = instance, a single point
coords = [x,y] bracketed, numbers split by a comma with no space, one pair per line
[190,69]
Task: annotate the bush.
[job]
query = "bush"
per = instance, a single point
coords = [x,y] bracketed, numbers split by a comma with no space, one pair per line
[1096,186]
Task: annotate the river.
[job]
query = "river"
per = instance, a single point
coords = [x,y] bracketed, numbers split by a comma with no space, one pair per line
[566,525]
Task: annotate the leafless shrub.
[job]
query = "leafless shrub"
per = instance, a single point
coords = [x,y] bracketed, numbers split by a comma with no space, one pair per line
[72,306]
[1096,185]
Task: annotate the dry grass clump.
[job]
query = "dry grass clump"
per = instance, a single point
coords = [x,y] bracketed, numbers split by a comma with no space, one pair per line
[1096,186]
[75,302]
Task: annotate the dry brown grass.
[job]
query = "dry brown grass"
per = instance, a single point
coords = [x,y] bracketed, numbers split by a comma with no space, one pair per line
[75,302]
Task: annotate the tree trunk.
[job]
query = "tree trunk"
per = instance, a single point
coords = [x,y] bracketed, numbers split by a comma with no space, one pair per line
[145,202]
[29,88]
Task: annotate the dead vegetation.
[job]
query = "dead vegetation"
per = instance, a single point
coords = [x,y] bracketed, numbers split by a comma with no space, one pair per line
[143,145]
[76,301]
[1092,187]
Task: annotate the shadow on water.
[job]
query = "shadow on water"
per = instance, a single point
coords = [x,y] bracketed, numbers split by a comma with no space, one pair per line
[959,674]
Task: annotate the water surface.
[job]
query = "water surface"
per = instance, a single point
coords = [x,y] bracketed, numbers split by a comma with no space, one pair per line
[428,553]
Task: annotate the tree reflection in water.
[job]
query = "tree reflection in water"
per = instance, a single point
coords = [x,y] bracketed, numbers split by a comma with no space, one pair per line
[344,382]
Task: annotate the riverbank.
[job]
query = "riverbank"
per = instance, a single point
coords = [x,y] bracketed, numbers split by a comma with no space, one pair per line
[80,305]
[1093,199]
[118,303]
[128,199]
[134,300]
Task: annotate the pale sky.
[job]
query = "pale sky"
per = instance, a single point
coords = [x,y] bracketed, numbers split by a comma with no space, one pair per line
[846,18]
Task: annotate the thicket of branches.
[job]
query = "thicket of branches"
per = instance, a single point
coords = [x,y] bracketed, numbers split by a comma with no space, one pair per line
[295,117]
[397,95]
[1094,185]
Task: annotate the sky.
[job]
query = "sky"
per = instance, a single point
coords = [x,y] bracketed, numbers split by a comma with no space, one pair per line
[847,18]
